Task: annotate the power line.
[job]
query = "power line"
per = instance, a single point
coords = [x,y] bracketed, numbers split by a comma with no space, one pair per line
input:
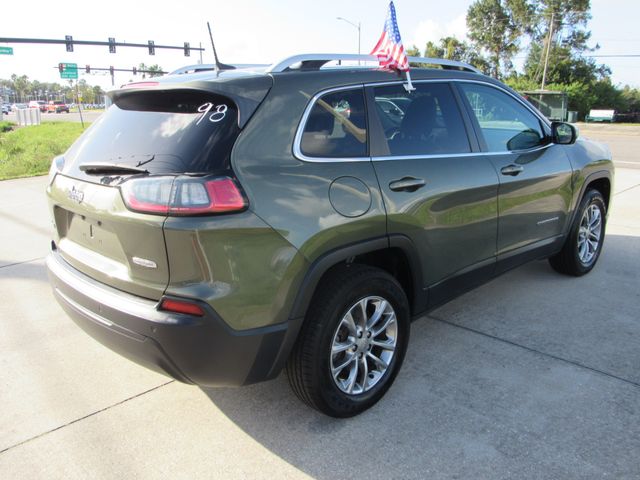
[633,55]
[614,56]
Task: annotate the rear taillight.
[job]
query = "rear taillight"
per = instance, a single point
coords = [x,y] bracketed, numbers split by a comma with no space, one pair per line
[56,166]
[181,306]
[183,195]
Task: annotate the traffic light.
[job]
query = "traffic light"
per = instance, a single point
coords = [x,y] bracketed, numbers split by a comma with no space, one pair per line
[112,45]
[87,68]
[187,49]
[152,48]
[69,42]
[135,71]
[61,67]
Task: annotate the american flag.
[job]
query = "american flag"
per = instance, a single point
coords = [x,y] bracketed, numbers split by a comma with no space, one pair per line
[389,49]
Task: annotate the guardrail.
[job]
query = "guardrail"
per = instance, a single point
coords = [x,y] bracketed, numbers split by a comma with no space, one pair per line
[28,116]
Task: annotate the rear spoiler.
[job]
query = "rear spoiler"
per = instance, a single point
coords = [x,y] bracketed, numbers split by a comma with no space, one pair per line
[247,92]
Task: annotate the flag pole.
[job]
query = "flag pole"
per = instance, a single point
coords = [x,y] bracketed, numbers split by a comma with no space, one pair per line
[409,86]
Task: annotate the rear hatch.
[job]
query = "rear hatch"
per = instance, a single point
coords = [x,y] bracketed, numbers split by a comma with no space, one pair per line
[115,187]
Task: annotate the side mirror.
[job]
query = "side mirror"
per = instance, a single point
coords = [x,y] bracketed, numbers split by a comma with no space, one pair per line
[563,133]
[524,140]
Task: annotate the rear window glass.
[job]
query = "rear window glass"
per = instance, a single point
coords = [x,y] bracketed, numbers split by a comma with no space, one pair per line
[336,126]
[170,131]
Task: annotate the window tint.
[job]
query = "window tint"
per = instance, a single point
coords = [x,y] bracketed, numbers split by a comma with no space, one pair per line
[424,122]
[336,126]
[170,131]
[506,124]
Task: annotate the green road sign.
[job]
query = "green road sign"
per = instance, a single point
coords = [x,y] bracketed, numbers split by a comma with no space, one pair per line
[6,50]
[68,70]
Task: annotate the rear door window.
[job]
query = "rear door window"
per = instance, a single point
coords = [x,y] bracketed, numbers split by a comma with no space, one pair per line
[426,121]
[163,131]
[336,126]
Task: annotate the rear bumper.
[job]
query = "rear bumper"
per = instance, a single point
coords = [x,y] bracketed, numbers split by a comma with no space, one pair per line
[199,350]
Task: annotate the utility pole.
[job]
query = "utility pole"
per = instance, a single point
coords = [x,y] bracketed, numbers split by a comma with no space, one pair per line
[546,59]
[78,103]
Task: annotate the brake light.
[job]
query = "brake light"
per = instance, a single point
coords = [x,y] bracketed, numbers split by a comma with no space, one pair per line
[213,196]
[140,85]
[183,196]
[180,306]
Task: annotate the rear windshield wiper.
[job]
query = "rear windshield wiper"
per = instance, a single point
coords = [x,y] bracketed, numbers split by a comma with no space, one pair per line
[110,168]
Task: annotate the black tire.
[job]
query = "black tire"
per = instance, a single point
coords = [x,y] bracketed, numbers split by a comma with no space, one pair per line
[309,366]
[568,261]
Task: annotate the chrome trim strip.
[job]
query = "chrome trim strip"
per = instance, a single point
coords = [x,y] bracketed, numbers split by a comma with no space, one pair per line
[297,140]
[297,152]
[548,220]
[426,157]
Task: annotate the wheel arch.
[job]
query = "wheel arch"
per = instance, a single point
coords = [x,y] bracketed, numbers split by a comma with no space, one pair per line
[395,254]
[603,185]
[600,181]
[383,252]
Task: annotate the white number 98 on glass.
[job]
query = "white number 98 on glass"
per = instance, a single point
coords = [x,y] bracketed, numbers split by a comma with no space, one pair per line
[217,112]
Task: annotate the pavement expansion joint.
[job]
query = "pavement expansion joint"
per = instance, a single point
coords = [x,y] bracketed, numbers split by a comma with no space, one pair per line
[545,354]
[109,407]
[22,262]
[626,190]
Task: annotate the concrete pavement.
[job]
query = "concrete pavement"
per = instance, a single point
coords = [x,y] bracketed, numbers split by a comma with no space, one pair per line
[534,375]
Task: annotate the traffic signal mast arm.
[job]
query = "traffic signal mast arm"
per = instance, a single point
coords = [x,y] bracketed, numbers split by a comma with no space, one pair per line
[134,70]
[69,42]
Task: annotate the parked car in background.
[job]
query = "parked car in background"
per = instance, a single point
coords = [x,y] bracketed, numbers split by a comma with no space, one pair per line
[221,227]
[18,106]
[6,108]
[58,106]
[39,104]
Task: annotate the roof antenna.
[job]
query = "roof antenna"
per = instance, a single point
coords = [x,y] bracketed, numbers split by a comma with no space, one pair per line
[219,66]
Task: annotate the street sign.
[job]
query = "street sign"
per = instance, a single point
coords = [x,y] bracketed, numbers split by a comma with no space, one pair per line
[6,50]
[69,71]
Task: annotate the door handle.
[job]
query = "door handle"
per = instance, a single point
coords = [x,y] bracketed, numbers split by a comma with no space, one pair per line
[407,184]
[512,170]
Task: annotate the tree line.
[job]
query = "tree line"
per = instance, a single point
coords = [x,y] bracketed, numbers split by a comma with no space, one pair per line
[19,89]
[555,58]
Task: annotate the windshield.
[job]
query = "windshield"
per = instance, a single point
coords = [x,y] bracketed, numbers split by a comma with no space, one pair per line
[166,131]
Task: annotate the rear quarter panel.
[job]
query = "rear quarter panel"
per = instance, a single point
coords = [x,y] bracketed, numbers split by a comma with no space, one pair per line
[292,195]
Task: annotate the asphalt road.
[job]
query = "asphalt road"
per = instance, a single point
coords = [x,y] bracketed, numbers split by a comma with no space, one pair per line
[623,140]
[534,375]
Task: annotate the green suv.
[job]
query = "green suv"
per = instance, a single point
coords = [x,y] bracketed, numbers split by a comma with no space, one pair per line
[221,226]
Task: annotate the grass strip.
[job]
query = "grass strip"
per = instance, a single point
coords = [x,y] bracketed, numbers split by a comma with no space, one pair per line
[28,151]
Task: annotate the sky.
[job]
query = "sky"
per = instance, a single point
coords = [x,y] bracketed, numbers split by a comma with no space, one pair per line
[252,31]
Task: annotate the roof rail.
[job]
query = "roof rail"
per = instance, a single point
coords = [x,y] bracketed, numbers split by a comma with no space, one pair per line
[203,67]
[314,61]
[193,68]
